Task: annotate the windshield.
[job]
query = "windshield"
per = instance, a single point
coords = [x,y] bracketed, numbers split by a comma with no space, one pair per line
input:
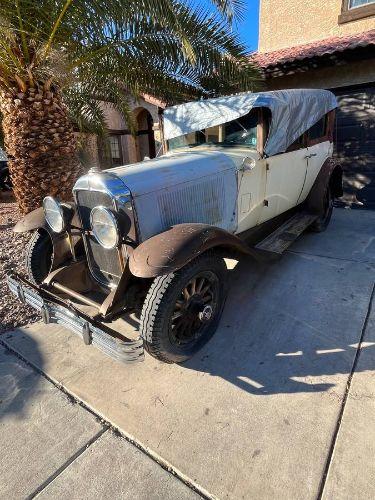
[240,132]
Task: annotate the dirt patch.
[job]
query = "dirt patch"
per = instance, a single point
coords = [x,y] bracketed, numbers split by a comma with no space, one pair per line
[12,256]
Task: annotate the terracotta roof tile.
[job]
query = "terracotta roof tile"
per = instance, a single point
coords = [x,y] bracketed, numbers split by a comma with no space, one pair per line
[314,49]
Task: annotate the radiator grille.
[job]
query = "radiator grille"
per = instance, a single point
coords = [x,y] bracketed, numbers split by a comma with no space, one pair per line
[204,202]
[104,263]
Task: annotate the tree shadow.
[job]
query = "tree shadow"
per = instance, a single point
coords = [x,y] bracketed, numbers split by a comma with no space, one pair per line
[19,382]
[279,334]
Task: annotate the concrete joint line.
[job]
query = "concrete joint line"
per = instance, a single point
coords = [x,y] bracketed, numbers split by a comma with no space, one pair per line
[65,465]
[295,252]
[345,398]
[164,464]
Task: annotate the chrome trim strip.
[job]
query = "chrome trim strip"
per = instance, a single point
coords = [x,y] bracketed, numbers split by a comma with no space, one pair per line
[124,352]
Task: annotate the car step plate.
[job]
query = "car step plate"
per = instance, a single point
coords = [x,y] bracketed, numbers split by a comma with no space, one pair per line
[278,241]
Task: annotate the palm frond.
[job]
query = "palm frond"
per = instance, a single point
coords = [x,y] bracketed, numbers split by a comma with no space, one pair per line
[95,50]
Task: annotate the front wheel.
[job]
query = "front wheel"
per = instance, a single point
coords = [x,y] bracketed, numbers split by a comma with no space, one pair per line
[182,309]
[39,256]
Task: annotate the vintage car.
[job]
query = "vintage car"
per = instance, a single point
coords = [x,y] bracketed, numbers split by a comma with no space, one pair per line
[240,175]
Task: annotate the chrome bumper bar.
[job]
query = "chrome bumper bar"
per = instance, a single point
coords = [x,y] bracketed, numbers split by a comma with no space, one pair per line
[53,310]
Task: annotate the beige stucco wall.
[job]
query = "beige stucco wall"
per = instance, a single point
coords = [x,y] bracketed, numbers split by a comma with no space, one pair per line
[115,120]
[328,78]
[286,23]
[133,150]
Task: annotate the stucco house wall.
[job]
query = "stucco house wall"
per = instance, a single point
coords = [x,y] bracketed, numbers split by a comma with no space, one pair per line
[133,149]
[286,23]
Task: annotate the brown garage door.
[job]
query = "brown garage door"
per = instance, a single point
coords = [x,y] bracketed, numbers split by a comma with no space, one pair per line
[355,143]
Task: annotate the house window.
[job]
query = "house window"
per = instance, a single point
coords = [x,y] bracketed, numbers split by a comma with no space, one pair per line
[116,152]
[358,3]
[352,10]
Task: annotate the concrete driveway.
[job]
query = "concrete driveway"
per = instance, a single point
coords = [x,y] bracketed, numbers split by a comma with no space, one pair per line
[279,404]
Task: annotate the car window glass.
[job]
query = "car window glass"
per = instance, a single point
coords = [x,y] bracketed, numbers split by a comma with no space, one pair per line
[242,131]
[318,130]
[213,134]
[297,144]
[192,139]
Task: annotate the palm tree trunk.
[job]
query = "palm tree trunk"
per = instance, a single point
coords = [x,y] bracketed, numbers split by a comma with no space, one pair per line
[41,144]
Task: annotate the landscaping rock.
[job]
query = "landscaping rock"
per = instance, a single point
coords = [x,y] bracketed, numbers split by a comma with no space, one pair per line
[12,256]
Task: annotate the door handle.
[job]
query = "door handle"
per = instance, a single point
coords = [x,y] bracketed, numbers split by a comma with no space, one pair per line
[311,155]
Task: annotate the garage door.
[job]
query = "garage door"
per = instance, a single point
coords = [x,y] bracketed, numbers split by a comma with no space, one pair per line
[355,143]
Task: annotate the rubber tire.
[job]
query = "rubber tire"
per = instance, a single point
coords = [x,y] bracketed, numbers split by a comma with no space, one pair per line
[159,304]
[322,222]
[39,256]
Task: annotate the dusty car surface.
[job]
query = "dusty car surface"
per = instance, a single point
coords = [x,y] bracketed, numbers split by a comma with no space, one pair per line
[244,174]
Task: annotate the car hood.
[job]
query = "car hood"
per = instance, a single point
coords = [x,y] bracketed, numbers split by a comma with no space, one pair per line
[184,187]
[172,169]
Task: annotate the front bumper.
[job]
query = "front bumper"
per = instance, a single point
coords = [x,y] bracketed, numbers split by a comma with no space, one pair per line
[54,309]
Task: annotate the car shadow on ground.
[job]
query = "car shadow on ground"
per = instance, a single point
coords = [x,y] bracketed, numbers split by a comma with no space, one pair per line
[278,335]
[18,382]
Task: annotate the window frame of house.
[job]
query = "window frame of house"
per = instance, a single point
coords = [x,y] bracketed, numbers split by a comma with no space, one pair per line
[349,14]
[117,135]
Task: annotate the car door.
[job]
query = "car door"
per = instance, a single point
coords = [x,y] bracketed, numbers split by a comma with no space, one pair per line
[319,148]
[285,178]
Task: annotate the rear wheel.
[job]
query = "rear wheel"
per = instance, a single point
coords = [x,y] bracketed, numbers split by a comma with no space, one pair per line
[39,256]
[182,309]
[322,222]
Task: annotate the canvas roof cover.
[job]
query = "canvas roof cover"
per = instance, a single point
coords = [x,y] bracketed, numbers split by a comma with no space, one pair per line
[293,112]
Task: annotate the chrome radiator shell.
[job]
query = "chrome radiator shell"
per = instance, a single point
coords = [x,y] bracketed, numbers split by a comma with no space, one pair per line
[106,190]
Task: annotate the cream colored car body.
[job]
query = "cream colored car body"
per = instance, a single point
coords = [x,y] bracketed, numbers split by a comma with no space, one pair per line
[268,187]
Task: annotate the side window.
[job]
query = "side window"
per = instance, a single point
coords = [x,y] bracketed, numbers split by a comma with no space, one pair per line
[299,143]
[318,130]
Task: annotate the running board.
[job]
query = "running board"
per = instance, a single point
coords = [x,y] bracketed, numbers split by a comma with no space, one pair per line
[278,241]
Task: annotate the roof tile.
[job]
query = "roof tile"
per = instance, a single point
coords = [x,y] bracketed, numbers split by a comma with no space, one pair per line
[314,49]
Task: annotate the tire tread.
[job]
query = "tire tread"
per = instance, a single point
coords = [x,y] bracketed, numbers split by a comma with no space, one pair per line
[151,316]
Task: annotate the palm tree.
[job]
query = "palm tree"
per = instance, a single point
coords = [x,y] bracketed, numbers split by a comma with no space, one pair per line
[60,58]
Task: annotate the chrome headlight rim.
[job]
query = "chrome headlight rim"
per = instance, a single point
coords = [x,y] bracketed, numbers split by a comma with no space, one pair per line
[59,210]
[112,217]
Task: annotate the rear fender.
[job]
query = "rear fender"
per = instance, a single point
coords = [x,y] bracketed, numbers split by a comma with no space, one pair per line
[330,174]
[171,250]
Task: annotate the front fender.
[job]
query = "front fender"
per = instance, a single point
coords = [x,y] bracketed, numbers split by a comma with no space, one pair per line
[36,220]
[168,251]
[33,220]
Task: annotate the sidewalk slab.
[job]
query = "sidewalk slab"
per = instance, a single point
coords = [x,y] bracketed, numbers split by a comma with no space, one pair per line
[350,235]
[114,468]
[40,428]
[253,414]
[352,471]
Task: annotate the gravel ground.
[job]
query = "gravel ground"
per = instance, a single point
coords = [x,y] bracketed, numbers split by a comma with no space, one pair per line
[12,255]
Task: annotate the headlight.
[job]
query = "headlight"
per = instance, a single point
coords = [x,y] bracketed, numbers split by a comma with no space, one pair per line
[54,214]
[104,225]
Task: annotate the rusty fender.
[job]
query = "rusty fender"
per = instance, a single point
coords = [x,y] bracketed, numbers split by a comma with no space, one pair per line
[330,173]
[35,220]
[174,248]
